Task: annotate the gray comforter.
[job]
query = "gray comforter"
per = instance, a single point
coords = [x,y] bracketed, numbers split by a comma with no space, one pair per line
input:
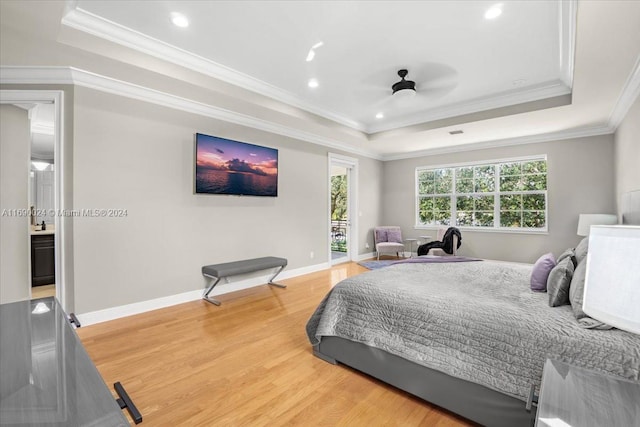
[477,321]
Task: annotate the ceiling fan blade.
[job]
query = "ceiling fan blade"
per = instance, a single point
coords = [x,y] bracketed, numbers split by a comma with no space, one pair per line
[437,89]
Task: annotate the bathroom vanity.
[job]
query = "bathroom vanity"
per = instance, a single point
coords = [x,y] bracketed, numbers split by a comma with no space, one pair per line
[43,249]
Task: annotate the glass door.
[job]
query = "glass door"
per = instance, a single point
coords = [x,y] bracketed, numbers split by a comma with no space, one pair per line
[343,208]
[339,211]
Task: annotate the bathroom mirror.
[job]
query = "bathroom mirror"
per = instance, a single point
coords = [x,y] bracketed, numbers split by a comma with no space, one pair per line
[42,173]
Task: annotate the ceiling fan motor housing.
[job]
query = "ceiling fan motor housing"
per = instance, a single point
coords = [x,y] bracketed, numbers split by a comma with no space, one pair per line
[403,84]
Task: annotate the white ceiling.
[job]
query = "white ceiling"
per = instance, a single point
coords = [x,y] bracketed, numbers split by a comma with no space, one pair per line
[248,61]
[460,61]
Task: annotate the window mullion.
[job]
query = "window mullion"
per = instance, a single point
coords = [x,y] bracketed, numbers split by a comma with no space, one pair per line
[454,207]
[496,197]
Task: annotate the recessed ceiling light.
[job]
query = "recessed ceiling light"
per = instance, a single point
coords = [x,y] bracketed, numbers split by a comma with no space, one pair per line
[493,12]
[312,52]
[313,83]
[380,115]
[179,20]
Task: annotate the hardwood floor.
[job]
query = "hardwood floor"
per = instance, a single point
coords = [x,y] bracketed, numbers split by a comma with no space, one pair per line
[246,363]
[43,291]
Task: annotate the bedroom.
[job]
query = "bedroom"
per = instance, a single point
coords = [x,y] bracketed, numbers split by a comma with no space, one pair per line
[130,153]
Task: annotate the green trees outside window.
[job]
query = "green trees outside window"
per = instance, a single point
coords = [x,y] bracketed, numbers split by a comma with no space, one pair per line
[509,194]
[339,213]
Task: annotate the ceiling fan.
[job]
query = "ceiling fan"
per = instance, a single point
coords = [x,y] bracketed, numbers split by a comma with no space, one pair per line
[429,82]
[404,86]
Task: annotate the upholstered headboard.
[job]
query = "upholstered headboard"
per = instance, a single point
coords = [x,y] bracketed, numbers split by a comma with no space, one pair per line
[630,208]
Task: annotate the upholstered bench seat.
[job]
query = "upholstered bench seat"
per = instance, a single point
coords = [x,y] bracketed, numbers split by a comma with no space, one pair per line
[218,271]
[244,266]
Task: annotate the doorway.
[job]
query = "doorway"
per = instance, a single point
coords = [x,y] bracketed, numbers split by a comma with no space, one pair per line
[43,202]
[342,206]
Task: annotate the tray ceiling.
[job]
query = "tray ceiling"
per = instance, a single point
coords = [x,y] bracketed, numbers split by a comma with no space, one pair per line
[461,62]
[541,71]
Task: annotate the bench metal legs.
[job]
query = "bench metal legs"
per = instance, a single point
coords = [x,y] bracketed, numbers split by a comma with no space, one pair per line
[274,276]
[213,284]
[215,280]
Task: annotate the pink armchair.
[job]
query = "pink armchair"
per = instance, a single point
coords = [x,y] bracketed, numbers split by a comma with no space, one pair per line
[388,239]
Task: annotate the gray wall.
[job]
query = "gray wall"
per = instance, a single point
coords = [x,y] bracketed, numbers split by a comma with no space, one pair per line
[138,156]
[370,202]
[15,279]
[627,152]
[580,180]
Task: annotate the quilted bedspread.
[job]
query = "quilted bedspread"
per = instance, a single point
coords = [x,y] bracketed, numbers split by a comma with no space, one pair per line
[477,321]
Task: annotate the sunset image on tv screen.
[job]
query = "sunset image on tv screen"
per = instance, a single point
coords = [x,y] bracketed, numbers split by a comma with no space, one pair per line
[224,166]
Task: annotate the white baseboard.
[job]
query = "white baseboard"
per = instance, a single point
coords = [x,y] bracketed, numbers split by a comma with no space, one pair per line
[362,257]
[113,313]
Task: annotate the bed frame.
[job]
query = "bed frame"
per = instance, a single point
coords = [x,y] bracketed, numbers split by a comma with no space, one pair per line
[470,400]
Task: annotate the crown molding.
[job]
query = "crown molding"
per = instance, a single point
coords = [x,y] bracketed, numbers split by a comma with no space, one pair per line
[75,76]
[36,75]
[521,140]
[544,91]
[628,96]
[90,23]
[567,48]
[85,21]
[70,75]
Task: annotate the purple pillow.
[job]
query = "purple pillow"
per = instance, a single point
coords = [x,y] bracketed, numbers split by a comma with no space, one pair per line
[381,235]
[540,272]
[394,236]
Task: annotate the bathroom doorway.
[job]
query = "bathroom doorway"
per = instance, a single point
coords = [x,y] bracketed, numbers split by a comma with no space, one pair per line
[42,200]
[33,166]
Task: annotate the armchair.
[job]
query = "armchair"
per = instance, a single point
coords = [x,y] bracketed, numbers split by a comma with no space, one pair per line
[447,243]
[388,239]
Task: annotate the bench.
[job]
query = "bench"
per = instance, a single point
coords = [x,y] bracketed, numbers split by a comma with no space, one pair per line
[218,271]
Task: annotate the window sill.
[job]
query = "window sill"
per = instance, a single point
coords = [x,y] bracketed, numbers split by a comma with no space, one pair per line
[485,230]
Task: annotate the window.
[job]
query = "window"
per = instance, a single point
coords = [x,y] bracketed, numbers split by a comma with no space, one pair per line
[504,194]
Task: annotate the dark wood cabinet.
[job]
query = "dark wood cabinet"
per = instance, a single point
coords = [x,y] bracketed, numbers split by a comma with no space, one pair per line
[43,265]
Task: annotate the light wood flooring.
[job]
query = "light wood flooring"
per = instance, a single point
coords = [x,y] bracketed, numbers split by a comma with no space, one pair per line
[246,363]
[43,291]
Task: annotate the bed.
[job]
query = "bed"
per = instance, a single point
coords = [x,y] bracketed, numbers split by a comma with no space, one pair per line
[470,337]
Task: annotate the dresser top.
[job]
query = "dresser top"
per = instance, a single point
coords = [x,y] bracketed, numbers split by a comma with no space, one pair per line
[47,377]
[572,396]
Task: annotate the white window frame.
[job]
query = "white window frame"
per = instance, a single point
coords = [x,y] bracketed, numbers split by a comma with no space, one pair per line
[496,193]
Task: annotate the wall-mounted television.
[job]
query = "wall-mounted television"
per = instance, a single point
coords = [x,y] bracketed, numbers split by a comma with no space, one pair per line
[225,166]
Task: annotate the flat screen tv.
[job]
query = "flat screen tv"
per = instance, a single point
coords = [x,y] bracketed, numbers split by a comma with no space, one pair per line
[224,166]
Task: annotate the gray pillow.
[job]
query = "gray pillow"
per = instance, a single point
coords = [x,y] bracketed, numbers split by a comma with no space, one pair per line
[581,250]
[559,282]
[576,297]
[568,253]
